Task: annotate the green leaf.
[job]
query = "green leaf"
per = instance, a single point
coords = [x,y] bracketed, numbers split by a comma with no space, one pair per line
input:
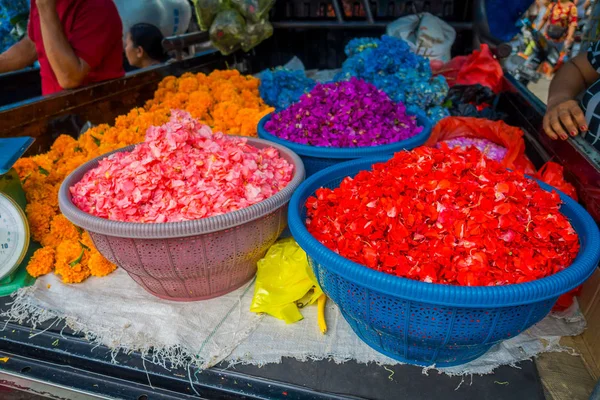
[18,18]
[96,140]
[84,246]
[77,260]
[43,171]
[78,149]
[447,104]
[25,179]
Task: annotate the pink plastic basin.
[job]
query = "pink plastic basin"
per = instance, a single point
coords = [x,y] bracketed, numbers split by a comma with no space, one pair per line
[191,260]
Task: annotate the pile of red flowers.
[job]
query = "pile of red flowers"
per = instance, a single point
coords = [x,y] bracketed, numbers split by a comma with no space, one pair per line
[445,216]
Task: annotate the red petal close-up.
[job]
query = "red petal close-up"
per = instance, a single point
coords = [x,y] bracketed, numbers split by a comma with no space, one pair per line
[446,216]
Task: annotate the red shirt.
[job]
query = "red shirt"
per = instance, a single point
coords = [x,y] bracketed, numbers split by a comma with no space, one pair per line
[94,30]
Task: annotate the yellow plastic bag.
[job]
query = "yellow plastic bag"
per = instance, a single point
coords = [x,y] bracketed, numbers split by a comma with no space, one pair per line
[284,282]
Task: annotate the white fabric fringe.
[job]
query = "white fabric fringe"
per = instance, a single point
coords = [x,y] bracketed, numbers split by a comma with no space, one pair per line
[115,312]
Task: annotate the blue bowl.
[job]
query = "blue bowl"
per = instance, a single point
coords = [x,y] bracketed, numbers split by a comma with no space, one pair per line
[317,158]
[423,323]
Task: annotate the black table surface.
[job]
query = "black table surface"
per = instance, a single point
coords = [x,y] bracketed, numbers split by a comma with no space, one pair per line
[61,357]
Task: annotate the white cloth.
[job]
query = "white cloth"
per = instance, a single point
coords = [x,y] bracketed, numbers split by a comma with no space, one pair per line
[427,35]
[116,312]
[172,17]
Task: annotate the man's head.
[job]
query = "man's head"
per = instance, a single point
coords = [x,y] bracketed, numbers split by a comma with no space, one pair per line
[143,45]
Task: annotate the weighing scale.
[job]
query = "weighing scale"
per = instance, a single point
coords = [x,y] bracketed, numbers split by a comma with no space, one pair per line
[15,246]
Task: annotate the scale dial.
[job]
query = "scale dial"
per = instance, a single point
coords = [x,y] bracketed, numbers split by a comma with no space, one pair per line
[14,235]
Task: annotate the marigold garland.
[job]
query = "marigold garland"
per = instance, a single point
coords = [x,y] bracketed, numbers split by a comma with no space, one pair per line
[42,262]
[225,100]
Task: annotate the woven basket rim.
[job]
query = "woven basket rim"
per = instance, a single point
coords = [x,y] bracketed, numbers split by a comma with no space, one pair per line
[355,152]
[136,230]
[449,295]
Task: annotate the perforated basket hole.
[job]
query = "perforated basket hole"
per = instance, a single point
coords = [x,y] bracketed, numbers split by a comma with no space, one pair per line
[510,322]
[472,326]
[388,314]
[428,323]
[353,299]
[314,164]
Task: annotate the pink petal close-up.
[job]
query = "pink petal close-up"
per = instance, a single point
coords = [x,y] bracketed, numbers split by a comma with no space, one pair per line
[183,171]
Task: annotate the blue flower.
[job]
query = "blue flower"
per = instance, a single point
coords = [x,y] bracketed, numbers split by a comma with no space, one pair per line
[281,87]
[391,66]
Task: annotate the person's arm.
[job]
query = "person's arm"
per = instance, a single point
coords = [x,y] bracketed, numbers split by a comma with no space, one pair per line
[70,70]
[563,113]
[545,19]
[20,55]
[570,36]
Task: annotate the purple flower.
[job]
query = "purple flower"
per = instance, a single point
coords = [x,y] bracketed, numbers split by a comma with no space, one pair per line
[351,113]
[490,149]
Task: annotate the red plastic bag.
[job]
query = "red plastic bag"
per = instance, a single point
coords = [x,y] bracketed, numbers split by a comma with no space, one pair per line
[481,67]
[496,131]
[566,300]
[553,174]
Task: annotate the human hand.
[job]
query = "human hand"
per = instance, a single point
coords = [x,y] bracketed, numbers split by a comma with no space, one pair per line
[564,118]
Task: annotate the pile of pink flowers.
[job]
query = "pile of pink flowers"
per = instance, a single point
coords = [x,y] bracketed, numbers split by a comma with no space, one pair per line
[183,171]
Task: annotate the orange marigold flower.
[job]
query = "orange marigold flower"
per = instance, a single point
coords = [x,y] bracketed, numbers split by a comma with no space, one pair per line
[42,193]
[42,262]
[64,146]
[86,239]
[188,83]
[61,229]
[39,216]
[70,163]
[168,83]
[25,166]
[72,262]
[225,100]
[100,266]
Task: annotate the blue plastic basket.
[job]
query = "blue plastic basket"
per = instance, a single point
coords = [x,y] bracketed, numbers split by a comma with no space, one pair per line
[316,158]
[423,323]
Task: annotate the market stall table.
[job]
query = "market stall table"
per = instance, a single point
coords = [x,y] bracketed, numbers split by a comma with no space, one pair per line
[51,359]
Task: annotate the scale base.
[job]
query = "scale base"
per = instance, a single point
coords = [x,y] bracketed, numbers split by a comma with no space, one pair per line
[19,278]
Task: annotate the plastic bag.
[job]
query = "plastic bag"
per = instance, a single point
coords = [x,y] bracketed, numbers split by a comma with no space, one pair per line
[426,33]
[172,17]
[253,10]
[553,174]
[473,101]
[206,10]
[496,131]
[481,67]
[475,94]
[285,282]
[470,110]
[256,33]
[566,300]
[228,31]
